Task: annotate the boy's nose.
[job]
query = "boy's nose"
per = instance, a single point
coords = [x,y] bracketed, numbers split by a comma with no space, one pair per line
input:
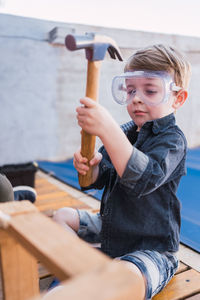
[137,99]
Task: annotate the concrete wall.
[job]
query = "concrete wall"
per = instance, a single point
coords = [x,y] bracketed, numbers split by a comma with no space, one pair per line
[41,83]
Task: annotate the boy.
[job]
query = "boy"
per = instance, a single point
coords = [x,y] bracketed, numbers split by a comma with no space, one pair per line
[139,166]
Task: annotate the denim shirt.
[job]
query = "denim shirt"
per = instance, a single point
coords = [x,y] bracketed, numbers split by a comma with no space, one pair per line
[140,210]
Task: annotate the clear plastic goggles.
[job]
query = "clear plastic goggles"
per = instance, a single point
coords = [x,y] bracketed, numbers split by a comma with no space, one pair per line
[152,87]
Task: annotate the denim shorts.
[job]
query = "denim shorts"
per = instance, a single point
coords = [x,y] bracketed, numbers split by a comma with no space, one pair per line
[157,268]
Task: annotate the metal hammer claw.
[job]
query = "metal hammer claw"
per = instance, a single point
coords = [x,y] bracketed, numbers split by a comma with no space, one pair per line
[95,48]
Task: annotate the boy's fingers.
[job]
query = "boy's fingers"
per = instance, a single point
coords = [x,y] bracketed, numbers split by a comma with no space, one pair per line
[80,167]
[79,163]
[79,158]
[96,159]
[87,102]
[82,170]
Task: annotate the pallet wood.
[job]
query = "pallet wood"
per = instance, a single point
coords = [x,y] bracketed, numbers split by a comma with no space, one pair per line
[181,286]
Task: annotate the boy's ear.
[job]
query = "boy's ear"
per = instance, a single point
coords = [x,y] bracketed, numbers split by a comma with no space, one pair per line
[180,99]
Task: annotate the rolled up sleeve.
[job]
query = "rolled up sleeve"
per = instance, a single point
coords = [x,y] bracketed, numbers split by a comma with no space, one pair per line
[146,172]
[135,168]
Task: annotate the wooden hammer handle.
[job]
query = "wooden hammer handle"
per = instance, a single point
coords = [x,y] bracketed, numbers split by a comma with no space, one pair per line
[88,140]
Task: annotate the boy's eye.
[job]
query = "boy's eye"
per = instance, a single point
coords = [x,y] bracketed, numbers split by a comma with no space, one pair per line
[151,92]
[131,92]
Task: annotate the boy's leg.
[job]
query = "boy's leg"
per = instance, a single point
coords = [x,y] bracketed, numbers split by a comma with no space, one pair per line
[6,189]
[157,268]
[85,224]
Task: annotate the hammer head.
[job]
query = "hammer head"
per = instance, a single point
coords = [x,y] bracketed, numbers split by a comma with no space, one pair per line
[95,46]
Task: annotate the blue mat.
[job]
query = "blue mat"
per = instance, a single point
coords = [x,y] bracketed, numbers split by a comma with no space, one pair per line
[188,193]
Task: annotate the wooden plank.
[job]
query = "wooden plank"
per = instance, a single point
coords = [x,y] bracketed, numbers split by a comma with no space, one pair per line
[189,257]
[45,189]
[39,182]
[51,197]
[181,286]
[18,270]
[60,204]
[61,199]
[114,281]
[182,267]
[51,243]
[84,198]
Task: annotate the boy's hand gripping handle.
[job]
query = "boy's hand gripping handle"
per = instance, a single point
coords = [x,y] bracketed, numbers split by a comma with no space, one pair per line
[88,140]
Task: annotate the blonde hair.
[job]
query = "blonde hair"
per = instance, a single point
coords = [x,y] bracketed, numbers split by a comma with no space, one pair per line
[161,58]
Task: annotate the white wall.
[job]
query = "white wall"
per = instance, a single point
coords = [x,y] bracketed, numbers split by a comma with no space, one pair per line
[41,82]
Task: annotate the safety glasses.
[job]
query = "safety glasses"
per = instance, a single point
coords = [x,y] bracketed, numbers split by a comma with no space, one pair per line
[152,87]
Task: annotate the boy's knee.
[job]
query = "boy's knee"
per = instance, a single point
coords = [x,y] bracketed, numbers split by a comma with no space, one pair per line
[63,214]
[67,215]
[6,189]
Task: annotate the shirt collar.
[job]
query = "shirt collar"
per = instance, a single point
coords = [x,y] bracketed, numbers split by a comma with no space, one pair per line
[161,124]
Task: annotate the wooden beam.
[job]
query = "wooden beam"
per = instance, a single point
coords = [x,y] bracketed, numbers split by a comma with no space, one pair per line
[19,270]
[61,252]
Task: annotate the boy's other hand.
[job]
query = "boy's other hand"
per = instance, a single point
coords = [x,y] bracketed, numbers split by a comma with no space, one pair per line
[96,159]
[80,162]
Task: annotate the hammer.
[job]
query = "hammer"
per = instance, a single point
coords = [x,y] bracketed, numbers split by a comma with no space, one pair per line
[95,48]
